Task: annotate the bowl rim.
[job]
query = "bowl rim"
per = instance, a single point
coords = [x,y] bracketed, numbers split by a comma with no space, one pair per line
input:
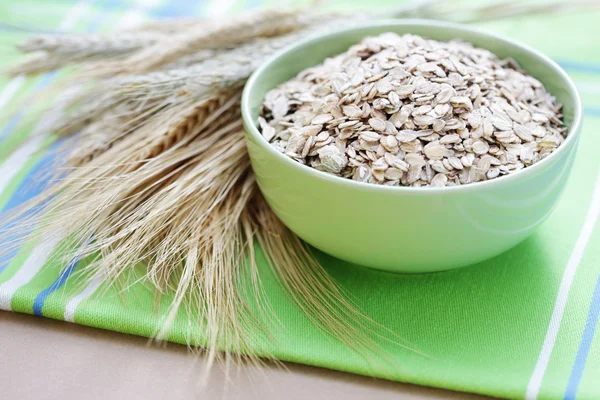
[252,130]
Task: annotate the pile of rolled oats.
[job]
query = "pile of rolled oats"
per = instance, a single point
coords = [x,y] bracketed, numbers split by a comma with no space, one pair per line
[408,111]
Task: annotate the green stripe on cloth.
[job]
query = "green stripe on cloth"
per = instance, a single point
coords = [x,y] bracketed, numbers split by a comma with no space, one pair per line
[485,328]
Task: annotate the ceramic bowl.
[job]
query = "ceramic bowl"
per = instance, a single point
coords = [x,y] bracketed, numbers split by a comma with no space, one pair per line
[407,229]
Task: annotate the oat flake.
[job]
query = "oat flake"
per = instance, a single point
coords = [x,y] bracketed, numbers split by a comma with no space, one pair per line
[408,111]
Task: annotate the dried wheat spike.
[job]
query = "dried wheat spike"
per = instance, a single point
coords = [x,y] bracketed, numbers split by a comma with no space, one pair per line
[224,69]
[57,51]
[138,138]
[169,26]
[165,89]
[91,43]
[38,63]
[195,58]
[101,99]
[91,108]
[186,123]
[100,135]
[237,30]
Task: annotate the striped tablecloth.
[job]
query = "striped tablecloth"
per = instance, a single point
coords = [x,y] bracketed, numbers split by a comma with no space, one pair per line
[521,325]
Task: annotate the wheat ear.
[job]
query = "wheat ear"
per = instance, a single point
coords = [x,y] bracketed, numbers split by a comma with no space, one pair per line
[169,26]
[91,43]
[260,23]
[194,58]
[58,50]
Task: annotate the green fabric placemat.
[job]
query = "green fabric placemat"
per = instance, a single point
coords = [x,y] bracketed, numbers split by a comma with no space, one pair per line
[521,325]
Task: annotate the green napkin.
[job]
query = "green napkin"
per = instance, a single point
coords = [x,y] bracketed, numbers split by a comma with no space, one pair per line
[521,325]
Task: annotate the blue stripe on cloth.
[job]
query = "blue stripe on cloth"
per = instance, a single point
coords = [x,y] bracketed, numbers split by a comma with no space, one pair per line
[585,345]
[175,8]
[32,184]
[250,4]
[112,5]
[11,125]
[29,187]
[591,111]
[5,260]
[39,301]
[579,66]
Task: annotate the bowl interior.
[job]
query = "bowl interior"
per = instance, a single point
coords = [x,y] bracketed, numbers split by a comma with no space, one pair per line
[313,50]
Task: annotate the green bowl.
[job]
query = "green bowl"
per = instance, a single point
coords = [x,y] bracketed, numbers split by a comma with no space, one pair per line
[407,229]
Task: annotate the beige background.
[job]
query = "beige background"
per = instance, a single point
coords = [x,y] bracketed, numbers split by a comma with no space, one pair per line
[44,359]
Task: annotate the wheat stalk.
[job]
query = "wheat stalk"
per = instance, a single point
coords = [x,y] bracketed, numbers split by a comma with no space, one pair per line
[194,58]
[162,90]
[169,26]
[260,23]
[100,135]
[189,200]
[226,68]
[53,51]
[91,43]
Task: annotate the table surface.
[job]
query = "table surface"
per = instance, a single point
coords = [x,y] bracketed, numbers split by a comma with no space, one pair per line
[47,359]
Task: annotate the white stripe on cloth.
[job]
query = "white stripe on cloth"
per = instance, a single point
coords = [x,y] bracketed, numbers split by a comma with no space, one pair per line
[137,14]
[535,382]
[149,4]
[74,15]
[132,18]
[219,8]
[17,160]
[72,305]
[587,87]
[10,89]
[32,265]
